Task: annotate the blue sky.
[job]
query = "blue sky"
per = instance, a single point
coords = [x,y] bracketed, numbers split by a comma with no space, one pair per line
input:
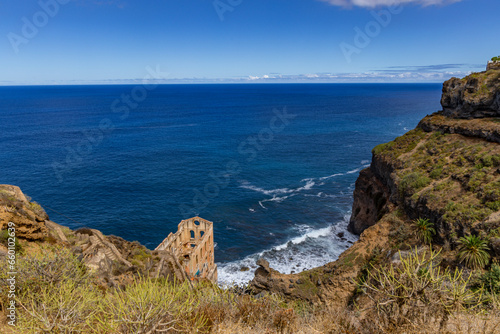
[116,41]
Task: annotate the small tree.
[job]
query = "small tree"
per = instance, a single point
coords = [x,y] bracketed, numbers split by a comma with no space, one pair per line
[495,58]
[424,229]
[474,251]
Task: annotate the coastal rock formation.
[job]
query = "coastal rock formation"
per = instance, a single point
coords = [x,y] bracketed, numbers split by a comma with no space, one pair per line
[493,65]
[475,96]
[28,217]
[447,170]
[333,284]
[476,128]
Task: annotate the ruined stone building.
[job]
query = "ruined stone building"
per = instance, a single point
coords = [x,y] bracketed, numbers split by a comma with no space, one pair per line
[193,246]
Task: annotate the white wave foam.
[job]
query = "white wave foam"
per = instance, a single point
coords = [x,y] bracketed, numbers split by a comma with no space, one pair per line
[331,176]
[281,191]
[314,248]
[312,234]
[365,163]
[321,195]
[357,169]
[264,191]
[277,199]
[309,185]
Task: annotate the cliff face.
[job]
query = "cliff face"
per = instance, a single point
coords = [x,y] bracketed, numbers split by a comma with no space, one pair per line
[448,177]
[370,201]
[28,216]
[446,170]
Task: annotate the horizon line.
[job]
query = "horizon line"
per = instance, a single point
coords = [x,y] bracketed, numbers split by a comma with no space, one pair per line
[220,83]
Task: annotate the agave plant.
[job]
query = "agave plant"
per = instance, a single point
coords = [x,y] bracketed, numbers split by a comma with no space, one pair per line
[474,251]
[424,229]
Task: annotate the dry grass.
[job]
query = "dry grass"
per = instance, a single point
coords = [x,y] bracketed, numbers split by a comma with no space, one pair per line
[57,295]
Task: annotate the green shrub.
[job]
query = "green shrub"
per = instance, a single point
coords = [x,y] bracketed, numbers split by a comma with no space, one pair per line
[382,148]
[36,208]
[53,292]
[400,145]
[4,240]
[465,213]
[64,309]
[436,173]
[473,251]
[399,233]
[412,182]
[424,229]
[490,280]
[495,206]
[495,58]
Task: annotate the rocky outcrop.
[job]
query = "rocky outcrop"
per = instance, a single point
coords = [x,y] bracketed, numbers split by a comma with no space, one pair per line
[493,65]
[446,170]
[475,96]
[475,128]
[28,217]
[332,284]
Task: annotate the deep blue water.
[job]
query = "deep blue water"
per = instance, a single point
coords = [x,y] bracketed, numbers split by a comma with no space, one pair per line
[273,166]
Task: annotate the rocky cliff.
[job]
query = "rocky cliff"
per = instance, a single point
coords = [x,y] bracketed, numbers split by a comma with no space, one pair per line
[446,170]
[28,216]
[475,96]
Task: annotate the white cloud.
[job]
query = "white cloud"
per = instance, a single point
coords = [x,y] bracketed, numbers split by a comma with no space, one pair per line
[378,3]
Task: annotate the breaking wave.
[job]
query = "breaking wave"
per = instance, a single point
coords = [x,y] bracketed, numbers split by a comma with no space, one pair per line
[313,248]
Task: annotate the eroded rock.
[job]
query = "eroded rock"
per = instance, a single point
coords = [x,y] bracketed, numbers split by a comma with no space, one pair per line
[474,96]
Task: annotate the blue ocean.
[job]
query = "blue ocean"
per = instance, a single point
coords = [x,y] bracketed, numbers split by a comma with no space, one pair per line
[272,165]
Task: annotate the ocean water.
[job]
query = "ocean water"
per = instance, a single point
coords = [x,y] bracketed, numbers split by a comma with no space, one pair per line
[272,165]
